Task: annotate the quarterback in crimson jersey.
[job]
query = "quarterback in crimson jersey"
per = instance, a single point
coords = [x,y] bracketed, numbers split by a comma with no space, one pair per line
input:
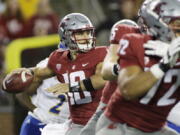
[78,68]
[148,89]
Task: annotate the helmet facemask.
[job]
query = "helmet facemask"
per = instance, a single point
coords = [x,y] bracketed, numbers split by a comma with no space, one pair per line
[83,40]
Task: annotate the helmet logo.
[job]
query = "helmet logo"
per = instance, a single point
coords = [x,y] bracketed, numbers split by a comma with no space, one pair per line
[58,67]
[158,9]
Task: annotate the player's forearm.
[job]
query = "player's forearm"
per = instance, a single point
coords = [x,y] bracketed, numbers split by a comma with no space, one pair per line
[96,81]
[25,100]
[89,84]
[42,73]
[109,62]
[107,71]
[137,85]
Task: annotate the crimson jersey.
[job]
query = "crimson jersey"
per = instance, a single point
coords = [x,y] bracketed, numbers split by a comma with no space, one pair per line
[82,104]
[147,113]
[108,91]
[116,35]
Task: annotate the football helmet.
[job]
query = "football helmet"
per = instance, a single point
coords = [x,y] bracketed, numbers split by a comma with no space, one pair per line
[157,15]
[127,22]
[123,21]
[72,23]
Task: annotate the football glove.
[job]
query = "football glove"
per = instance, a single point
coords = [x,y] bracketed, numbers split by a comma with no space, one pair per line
[172,54]
[156,48]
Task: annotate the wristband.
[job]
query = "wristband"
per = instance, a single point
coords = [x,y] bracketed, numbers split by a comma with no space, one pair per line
[115,70]
[88,84]
[164,67]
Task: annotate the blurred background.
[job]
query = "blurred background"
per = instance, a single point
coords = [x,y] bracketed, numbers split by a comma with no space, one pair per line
[28,34]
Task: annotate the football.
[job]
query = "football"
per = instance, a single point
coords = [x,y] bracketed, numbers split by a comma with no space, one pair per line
[17,82]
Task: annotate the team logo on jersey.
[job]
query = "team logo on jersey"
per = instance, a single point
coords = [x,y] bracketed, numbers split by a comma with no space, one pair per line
[83,65]
[58,66]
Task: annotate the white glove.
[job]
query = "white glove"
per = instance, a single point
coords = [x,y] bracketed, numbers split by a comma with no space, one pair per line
[173,53]
[175,46]
[156,48]
[168,60]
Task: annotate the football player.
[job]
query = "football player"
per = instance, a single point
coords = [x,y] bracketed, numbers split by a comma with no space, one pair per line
[148,85]
[109,70]
[158,48]
[77,68]
[44,107]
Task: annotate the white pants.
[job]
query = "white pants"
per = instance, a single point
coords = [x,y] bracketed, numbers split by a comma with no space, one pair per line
[74,129]
[56,128]
[89,128]
[107,127]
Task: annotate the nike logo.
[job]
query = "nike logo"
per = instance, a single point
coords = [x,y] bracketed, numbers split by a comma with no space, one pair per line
[85,64]
[73,67]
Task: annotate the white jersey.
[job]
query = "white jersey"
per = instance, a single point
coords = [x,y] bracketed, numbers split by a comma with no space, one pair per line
[54,107]
[174,115]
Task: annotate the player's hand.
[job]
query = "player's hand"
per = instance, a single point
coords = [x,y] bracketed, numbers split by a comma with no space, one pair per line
[156,48]
[59,88]
[173,53]
[19,70]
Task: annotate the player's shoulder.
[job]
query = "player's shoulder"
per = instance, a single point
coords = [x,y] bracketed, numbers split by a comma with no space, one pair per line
[97,53]
[124,27]
[100,48]
[136,38]
[57,56]
[132,44]
[118,32]
[57,53]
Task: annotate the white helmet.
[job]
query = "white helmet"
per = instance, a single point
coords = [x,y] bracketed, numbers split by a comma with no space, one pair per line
[127,22]
[76,22]
[123,21]
[157,14]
